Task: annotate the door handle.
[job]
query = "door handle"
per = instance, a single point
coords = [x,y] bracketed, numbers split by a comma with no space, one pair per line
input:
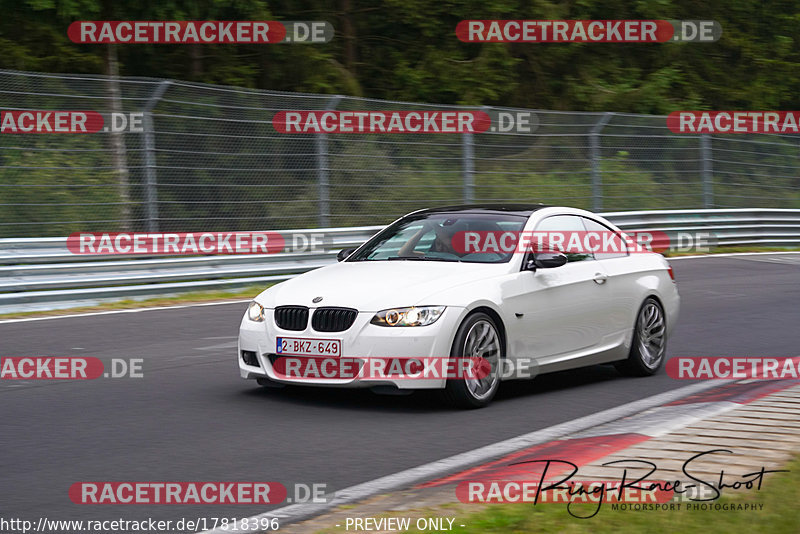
[600,278]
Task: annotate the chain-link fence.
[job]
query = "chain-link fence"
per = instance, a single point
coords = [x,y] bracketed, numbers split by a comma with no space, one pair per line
[210,159]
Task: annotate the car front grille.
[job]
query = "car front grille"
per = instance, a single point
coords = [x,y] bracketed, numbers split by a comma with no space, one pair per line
[291,317]
[333,319]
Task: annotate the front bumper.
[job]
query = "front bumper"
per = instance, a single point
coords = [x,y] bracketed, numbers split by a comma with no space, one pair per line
[361,340]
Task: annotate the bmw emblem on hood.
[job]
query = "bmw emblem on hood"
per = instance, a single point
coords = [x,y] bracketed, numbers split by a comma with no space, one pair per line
[316,299]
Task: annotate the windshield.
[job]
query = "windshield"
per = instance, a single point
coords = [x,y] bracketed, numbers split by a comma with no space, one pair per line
[434,236]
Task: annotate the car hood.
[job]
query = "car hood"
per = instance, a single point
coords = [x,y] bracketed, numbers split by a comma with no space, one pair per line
[376,285]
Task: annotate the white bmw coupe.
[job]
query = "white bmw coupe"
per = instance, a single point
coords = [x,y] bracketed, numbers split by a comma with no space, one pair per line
[466,283]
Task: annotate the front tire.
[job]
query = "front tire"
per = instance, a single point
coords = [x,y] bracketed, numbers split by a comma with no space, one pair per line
[649,343]
[478,336]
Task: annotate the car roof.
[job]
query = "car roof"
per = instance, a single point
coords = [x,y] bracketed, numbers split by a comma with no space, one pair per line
[514,209]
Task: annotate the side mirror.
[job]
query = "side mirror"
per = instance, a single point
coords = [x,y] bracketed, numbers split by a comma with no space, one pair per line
[343,254]
[546,260]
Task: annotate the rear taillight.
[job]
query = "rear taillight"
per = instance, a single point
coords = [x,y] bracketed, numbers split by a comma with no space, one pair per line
[671,272]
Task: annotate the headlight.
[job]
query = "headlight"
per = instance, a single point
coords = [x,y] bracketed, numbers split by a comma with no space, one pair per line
[255,312]
[413,316]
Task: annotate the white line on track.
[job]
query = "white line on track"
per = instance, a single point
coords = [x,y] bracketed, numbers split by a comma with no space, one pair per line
[297,512]
[131,310]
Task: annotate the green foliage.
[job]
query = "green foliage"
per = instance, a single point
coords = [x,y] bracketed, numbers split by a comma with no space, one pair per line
[407,50]
[45,192]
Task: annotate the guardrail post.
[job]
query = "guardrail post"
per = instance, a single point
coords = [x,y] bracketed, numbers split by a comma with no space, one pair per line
[707,171]
[151,182]
[119,152]
[594,155]
[468,167]
[468,163]
[323,178]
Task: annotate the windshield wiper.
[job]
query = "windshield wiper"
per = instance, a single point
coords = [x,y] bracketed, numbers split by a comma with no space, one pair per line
[421,258]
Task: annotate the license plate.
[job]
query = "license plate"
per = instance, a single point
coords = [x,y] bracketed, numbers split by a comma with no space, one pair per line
[296,346]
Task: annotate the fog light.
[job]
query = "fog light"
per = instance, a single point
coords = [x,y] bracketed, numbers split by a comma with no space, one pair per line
[249,358]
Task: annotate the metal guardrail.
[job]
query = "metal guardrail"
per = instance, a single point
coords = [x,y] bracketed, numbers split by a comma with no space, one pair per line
[42,272]
[730,227]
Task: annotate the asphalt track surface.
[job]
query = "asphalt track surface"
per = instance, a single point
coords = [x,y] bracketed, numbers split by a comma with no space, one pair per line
[191,418]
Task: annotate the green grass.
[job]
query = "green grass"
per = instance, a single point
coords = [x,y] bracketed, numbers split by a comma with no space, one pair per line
[780,514]
[194,297]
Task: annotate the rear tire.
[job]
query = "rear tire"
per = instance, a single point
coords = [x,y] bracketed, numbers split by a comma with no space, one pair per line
[649,343]
[478,336]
